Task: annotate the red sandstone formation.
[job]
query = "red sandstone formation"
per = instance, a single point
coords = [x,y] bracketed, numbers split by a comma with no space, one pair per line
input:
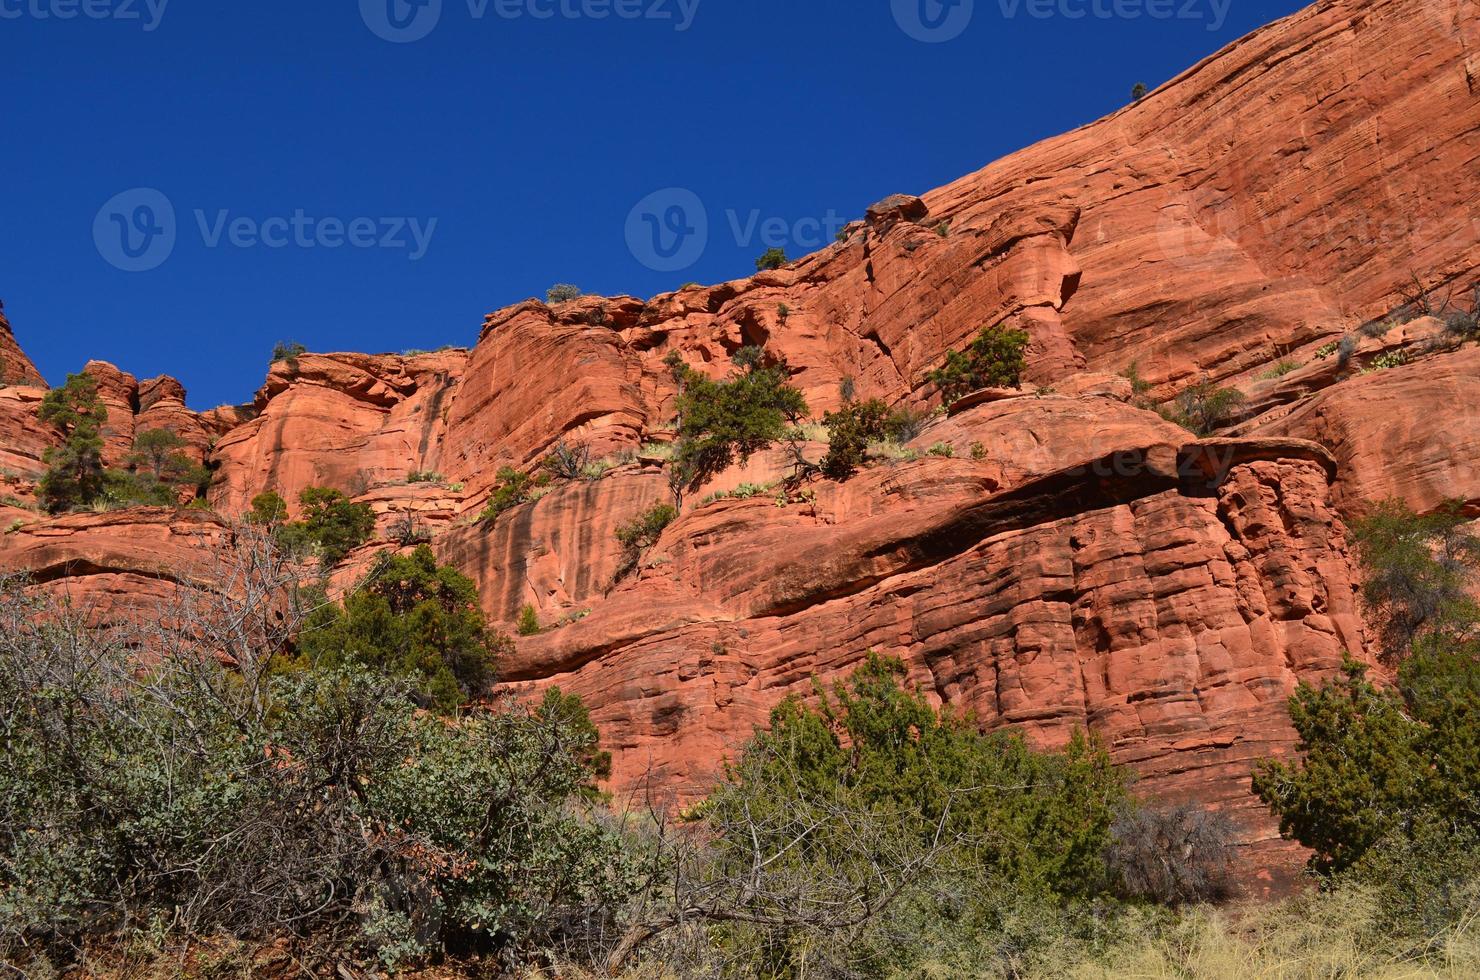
[1079,562]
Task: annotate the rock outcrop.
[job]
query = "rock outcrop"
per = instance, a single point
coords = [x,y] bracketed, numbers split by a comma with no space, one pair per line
[1064,558]
[15,367]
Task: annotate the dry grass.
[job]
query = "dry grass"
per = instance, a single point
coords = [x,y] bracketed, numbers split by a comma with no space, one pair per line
[1323,937]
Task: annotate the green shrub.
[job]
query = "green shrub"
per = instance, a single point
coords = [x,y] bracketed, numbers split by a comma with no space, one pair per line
[287,351]
[906,823]
[1138,91]
[563,292]
[74,476]
[721,422]
[1326,350]
[641,533]
[942,449]
[269,509]
[1378,764]
[425,476]
[995,359]
[512,489]
[774,258]
[1205,407]
[529,621]
[161,470]
[323,805]
[413,620]
[849,431]
[1279,369]
[334,523]
[1386,360]
[1419,573]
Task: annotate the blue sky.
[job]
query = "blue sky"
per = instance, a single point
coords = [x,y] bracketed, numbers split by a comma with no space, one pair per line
[189,181]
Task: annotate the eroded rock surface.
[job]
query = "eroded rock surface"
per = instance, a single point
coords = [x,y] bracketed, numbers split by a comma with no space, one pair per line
[1067,559]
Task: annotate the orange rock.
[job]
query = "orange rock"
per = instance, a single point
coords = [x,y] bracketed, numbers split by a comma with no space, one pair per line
[15,367]
[1077,562]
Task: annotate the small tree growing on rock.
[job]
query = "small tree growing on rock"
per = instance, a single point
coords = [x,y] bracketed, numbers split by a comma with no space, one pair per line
[774,258]
[563,292]
[995,359]
[75,475]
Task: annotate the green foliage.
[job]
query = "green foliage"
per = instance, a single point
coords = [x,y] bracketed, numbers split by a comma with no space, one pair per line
[1381,767]
[1205,407]
[641,533]
[287,351]
[1042,819]
[412,620]
[269,509]
[1138,91]
[425,476]
[1418,575]
[331,524]
[334,523]
[1326,350]
[774,258]
[942,449]
[334,809]
[1365,769]
[849,431]
[563,292]
[161,470]
[995,359]
[74,476]
[721,422]
[512,489]
[1279,369]
[529,621]
[1386,360]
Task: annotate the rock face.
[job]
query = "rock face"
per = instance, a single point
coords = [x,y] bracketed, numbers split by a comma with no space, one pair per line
[15,367]
[1410,432]
[1053,558]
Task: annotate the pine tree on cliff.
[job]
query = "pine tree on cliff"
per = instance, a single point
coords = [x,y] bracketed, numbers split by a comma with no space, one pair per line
[74,476]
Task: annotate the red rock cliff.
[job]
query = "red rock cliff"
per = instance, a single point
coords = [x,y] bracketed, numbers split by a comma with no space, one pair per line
[1089,565]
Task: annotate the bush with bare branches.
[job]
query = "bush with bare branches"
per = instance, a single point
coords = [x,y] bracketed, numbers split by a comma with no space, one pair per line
[160,776]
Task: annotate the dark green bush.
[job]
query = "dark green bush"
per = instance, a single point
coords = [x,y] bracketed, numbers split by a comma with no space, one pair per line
[995,359]
[774,258]
[412,620]
[858,836]
[720,422]
[324,805]
[529,621]
[1378,765]
[287,351]
[269,509]
[74,476]
[512,489]
[1418,574]
[334,523]
[849,431]
[641,533]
